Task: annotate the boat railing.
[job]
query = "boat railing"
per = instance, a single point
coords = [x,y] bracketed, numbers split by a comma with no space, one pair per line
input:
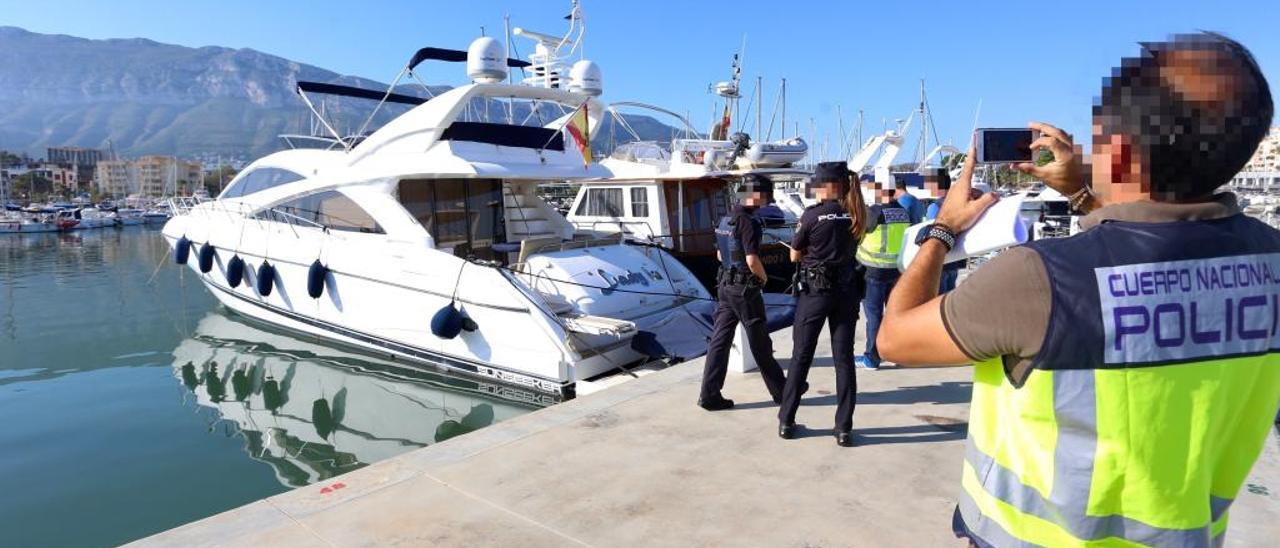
[233,210]
[622,226]
[181,205]
[533,247]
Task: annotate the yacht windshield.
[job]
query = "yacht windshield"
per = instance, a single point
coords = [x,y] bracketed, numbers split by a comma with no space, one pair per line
[259,179]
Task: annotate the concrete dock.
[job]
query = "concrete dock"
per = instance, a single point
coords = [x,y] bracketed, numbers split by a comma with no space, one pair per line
[639,465]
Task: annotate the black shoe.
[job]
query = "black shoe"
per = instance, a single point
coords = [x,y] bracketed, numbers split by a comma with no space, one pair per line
[844,439]
[717,404]
[786,431]
[804,388]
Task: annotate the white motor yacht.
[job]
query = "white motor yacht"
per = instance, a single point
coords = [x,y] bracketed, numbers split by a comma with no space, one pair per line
[425,241]
[130,216]
[672,200]
[92,217]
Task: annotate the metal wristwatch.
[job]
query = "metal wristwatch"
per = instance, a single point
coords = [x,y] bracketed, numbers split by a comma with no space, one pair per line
[942,233]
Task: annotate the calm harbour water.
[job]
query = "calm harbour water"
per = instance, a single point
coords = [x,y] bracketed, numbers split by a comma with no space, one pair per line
[131,404]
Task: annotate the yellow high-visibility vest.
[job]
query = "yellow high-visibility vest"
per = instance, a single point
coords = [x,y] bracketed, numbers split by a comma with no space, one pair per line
[1150,399]
[880,247]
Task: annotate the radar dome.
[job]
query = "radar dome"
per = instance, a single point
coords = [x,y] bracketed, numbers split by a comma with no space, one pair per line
[486,61]
[727,89]
[585,78]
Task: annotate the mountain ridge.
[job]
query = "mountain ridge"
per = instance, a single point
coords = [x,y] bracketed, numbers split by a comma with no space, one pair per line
[147,97]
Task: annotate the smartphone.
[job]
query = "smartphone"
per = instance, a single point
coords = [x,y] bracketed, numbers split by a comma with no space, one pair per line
[1005,145]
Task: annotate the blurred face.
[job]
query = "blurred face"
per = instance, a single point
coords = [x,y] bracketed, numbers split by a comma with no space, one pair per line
[753,199]
[885,196]
[1117,169]
[829,190]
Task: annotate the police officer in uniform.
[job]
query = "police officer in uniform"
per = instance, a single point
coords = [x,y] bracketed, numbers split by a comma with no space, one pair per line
[739,285]
[1106,415]
[826,292]
[887,223]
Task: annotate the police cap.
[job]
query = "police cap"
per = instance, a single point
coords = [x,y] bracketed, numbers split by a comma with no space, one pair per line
[830,172]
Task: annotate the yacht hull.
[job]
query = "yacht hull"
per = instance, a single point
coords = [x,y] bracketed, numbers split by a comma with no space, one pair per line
[378,345]
[391,317]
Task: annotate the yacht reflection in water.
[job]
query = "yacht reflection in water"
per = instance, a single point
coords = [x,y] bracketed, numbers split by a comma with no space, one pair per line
[313,411]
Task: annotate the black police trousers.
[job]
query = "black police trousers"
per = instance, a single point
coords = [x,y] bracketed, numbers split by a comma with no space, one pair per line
[838,308]
[740,303]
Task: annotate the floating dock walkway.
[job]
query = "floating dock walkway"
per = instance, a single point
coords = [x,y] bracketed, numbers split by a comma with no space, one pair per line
[639,465]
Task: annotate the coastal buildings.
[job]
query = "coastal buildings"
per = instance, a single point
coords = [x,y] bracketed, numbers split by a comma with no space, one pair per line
[1263,170]
[65,179]
[51,177]
[84,160]
[148,176]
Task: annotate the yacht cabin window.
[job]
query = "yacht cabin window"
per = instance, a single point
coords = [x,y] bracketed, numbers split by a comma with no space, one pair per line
[463,215]
[694,210]
[602,202]
[330,209]
[639,202]
[259,179]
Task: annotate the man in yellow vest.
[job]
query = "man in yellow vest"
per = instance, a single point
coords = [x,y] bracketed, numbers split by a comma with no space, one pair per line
[887,222]
[1126,377]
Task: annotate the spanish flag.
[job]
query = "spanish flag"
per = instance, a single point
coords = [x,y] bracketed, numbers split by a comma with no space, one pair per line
[579,127]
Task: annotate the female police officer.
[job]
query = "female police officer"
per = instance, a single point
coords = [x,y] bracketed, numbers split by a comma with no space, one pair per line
[827,291]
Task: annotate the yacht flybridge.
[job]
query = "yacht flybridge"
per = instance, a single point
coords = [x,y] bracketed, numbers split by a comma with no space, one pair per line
[425,240]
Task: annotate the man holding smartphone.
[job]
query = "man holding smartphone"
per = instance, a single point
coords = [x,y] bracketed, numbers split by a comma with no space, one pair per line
[1109,407]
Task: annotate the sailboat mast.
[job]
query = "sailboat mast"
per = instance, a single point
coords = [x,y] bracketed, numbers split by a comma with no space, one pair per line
[784,109]
[924,131]
[759,106]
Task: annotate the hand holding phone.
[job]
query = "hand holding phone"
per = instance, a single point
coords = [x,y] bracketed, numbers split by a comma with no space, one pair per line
[1004,145]
[1066,173]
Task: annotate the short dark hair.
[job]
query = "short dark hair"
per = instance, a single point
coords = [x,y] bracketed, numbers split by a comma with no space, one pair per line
[1195,107]
[941,176]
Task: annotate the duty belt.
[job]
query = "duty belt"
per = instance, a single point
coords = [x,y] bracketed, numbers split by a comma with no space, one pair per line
[816,278]
[735,276]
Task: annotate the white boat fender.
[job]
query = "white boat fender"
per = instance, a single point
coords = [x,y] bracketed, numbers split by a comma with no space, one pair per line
[182,250]
[235,271]
[266,279]
[205,258]
[316,276]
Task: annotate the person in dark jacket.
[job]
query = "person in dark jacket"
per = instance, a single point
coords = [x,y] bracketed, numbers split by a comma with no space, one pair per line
[827,292]
[739,285]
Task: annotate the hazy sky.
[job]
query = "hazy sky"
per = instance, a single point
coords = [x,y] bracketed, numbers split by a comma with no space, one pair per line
[1023,60]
